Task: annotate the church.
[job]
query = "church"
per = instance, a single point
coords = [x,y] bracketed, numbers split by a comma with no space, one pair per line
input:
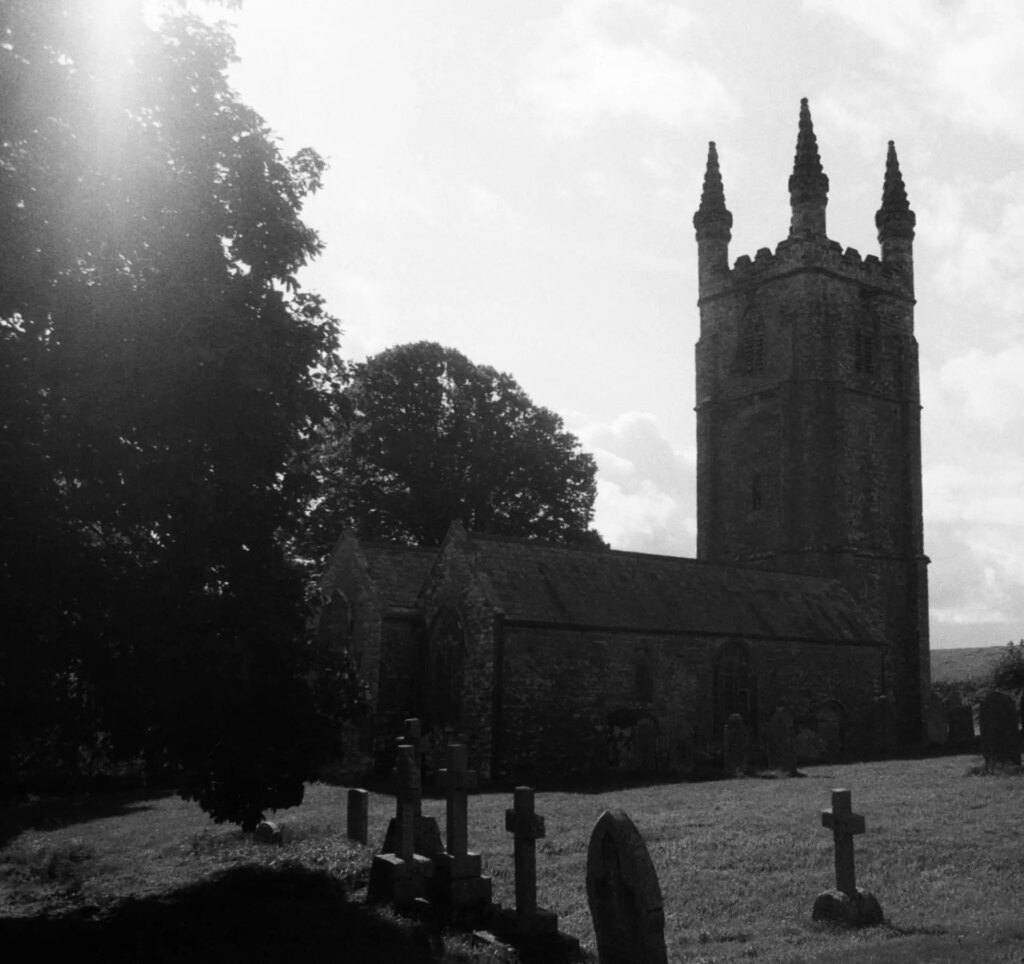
[809,590]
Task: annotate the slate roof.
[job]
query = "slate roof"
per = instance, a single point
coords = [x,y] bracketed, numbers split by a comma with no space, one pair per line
[398,571]
[546,584]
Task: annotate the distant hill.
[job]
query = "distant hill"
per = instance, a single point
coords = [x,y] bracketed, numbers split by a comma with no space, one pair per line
[963,665]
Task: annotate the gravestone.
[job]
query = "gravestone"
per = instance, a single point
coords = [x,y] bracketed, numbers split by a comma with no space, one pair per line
[268,832]
[961,726]
[735,745]
[412,735]
[936,720]
[458,883]
[426,833]
[1000,735]
[400,875]
[809,748]
[845,904]
[624,894]
[358,815]
[782,741]
[527,827]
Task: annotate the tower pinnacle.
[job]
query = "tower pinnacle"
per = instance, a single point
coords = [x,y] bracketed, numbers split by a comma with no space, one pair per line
[894,219]
[808,184]
[712,220]
[713,223]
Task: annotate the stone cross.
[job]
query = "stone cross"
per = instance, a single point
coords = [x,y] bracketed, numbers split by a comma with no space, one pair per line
[408,800]
[460,885]
[844,824]
[413,736]
[457,780]
[527,828]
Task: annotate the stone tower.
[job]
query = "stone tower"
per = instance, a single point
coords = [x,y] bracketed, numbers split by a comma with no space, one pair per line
[809,414]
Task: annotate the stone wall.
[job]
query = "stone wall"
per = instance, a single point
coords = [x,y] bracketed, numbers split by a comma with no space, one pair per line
[574,703]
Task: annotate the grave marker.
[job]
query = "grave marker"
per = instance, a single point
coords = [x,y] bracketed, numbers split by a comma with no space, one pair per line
[527,827]
[400,876]
[1000,733]
[358,815]
[408,801]
[845,904]
[460,885]
[413,736]
[426,834]
[624,894]
[845,824]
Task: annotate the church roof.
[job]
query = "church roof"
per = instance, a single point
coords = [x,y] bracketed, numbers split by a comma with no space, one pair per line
[559,585]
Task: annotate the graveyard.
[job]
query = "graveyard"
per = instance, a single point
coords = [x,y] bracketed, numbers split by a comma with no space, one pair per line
[739,864]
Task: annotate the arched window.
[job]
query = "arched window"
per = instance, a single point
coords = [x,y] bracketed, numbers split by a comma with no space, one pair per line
[734,687]
[444,679]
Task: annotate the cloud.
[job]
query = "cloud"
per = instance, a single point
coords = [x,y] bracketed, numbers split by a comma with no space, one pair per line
[601,59]
[966,52]
[488,206]
[984,389]
[645,488]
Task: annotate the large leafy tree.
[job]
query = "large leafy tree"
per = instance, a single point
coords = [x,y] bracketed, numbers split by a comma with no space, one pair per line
[422,437]
[159,368]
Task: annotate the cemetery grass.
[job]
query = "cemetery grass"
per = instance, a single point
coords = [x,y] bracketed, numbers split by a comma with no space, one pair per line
[739,863]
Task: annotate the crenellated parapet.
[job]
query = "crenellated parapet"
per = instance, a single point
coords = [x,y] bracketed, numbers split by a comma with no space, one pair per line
[802,255]
[807,248]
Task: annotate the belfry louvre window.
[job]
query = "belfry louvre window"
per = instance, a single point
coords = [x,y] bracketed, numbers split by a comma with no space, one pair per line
[752,346]
[863,351]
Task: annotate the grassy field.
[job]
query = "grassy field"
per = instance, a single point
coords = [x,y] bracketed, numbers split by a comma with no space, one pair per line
[739,861]
[970,665]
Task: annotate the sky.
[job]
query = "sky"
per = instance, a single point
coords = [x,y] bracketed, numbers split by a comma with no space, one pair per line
[517,179]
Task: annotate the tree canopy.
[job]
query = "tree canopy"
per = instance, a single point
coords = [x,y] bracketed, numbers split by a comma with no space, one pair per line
[159,369]
[422,437]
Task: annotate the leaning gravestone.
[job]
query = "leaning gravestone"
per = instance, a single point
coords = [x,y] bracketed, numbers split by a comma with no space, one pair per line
[624,894]
[1000,736]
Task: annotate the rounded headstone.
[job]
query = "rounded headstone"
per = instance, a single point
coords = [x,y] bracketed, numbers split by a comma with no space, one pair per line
[624,894]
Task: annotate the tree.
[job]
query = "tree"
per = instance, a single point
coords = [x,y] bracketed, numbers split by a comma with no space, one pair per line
[160,368]
[422,436]
[1007,672]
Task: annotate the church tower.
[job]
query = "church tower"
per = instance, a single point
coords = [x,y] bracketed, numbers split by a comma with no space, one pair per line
[809,413]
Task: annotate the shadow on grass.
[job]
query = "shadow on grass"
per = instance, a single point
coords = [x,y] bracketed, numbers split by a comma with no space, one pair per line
[251,914]
[55,813]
